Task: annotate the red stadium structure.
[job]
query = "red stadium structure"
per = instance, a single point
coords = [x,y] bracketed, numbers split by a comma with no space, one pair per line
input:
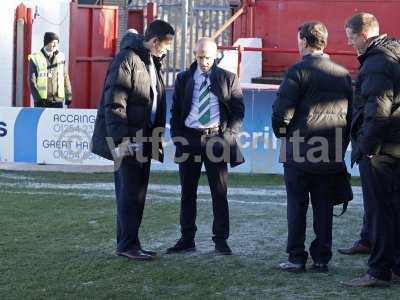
[95,29]
[276,23]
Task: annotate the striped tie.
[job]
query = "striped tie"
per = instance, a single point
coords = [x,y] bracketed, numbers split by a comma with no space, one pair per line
[204,102]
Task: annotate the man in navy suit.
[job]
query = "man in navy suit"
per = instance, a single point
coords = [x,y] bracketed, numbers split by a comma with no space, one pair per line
[207,114]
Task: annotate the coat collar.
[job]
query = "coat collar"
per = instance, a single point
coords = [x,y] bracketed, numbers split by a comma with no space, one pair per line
[46,54]
[373,44]
[193,68]
[315,55]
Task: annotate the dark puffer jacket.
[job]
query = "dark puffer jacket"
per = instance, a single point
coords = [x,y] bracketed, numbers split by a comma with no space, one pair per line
[376,120]
[313,102]
[126,102]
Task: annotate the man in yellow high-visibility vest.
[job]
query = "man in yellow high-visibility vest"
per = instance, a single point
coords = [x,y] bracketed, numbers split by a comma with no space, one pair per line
[48,76]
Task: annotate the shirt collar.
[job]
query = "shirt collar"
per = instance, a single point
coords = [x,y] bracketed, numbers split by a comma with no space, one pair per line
[199,73]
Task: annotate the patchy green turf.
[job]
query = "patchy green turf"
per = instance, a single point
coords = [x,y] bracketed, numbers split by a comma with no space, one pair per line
[58,243]
[246,180]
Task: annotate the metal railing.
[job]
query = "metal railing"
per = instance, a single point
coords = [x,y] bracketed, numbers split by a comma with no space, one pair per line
[191,19]
[241,49]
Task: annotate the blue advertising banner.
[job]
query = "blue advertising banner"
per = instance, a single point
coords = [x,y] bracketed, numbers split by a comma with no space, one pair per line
[62,136]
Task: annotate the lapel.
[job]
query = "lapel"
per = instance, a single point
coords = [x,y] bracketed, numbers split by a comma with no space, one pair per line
[188,91]
[216,82]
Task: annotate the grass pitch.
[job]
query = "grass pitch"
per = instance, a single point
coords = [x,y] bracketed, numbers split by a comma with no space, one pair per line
[58,242]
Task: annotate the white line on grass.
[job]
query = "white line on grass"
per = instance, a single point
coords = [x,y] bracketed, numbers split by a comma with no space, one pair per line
[152,197]
[277,191]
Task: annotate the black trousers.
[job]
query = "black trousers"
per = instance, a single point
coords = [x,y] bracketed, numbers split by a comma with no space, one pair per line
[380,175]
[299,186]
[131,182]
[365,235]
[217,174]
[49,104]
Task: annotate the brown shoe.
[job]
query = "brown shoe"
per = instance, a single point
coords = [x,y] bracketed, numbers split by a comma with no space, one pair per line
[366,281]
[357,248]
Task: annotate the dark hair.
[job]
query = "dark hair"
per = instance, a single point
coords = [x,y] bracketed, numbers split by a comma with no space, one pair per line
[49,37]
[159,29]
[362,22]
[315,34]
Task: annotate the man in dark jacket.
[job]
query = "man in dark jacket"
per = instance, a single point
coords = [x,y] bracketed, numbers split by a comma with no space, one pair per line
[375,134]
[48,75]
[311,116]
[207,113]
[130,122]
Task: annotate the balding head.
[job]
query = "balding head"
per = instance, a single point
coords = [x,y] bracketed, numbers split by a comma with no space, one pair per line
[132,30]
[206,43]
[206,52]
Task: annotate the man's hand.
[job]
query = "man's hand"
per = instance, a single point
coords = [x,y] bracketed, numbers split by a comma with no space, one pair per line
[127,148]
[229,137]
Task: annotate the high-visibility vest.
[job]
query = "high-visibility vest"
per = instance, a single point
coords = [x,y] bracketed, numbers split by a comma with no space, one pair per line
[40,62]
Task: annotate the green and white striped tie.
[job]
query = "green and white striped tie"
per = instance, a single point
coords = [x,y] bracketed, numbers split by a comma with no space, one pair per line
[204,102]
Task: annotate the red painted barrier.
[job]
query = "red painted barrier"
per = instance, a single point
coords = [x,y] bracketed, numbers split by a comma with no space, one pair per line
[93,44]
[136,19]
[241,49]
[277,21]
[151,12]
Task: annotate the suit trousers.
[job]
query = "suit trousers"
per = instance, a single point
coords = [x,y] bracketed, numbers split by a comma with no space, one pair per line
[217,174]
[131,182]
[300,185]
[365,235]
[380,176]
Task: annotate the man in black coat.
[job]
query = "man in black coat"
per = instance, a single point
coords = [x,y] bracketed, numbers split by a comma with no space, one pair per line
[375,134]
[130,122]
[207,113]
[311,115]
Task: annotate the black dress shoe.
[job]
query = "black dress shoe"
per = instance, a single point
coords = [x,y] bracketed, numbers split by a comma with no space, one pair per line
[357,248]
[319,268]
[222,248]
[182,246]
[136,254]
[292,267]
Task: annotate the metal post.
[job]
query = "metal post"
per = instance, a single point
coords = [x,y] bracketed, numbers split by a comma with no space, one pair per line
[240,53]
[19,69]
[27,51]
[185,13]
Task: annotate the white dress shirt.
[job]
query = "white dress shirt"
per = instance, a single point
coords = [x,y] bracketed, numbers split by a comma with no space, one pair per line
[153,78]
[192,120]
